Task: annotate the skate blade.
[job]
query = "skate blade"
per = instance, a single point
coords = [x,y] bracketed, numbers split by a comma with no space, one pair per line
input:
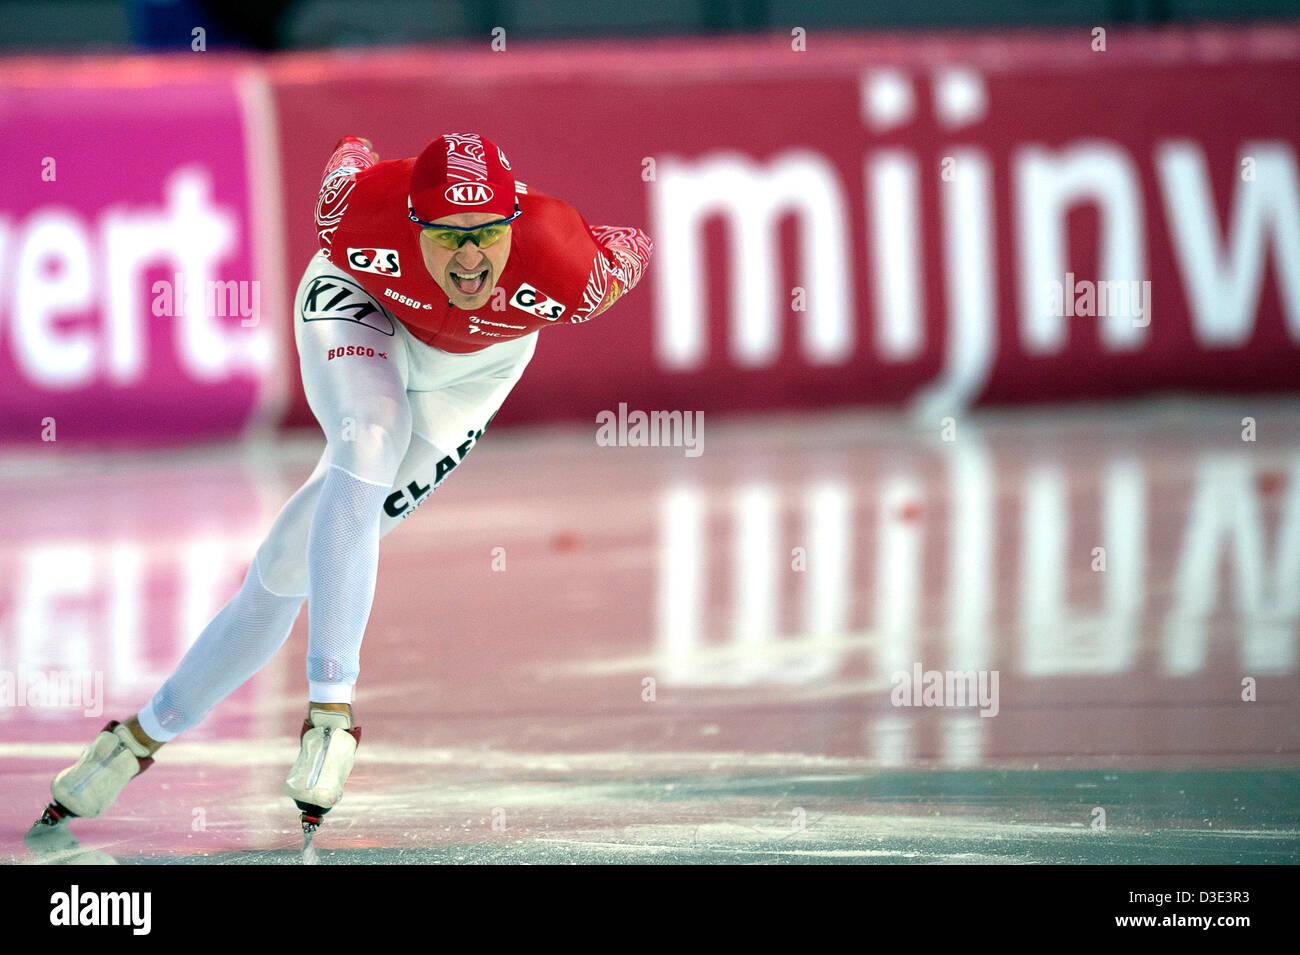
[309,855]
[311,819]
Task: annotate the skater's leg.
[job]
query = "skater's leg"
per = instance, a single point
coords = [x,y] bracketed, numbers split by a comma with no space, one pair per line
[244,636]
[342,564]
[354,376]
[238,642]
[246,632]
[459,397]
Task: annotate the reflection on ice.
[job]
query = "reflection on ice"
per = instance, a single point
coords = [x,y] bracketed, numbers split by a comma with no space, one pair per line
[1078,563]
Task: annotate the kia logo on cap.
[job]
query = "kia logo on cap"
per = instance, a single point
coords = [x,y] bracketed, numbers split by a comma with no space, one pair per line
[470,194]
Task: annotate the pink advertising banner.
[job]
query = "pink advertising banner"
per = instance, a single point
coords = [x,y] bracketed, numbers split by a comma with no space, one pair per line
[891,220]
[131,303]
[927,220]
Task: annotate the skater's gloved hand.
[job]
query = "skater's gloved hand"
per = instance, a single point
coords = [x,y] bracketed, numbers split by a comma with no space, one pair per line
[363,141]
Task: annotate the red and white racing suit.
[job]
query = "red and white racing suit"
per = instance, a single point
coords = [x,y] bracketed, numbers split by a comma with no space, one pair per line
[403,384]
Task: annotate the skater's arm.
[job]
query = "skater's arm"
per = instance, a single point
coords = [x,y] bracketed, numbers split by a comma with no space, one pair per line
[622,254]
[351,155]
[630,249]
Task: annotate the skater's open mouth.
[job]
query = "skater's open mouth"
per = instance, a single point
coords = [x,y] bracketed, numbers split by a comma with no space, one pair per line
[469,283]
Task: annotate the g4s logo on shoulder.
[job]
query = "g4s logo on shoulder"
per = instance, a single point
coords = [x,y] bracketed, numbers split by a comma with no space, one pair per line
[528,299]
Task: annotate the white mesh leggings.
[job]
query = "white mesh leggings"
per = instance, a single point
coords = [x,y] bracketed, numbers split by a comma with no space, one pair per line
[238,642]
[342,561]
[328,533]
[379,465]
[257,620]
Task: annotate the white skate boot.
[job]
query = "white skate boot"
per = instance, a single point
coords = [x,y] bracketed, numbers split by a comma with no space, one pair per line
[90,785]
[328,750]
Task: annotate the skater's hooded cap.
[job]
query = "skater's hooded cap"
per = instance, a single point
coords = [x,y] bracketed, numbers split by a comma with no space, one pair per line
[462,172]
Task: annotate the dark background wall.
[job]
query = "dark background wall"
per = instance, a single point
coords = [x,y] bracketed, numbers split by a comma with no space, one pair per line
[115,25]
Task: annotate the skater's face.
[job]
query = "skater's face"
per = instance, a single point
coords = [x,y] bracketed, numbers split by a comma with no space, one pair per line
[467,274]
